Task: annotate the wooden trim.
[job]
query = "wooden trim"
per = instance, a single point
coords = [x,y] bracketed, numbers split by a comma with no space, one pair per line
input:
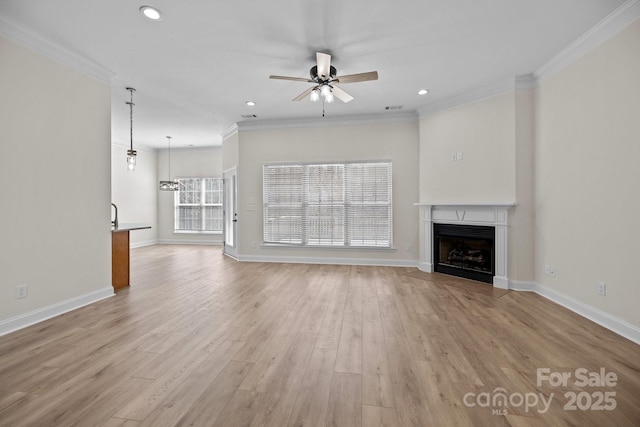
[120,260]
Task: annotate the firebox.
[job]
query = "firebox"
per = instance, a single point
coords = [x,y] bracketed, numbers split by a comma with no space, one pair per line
[464,251]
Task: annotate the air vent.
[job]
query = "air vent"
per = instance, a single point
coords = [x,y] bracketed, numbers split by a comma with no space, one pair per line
[248,116]
[393,107]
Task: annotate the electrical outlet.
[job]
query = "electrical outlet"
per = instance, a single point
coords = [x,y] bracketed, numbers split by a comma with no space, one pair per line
[602,289]
[453,156]
[552,270]
[21,291]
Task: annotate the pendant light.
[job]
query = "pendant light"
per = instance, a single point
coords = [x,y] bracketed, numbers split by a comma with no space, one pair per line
[131,153]
[169,185]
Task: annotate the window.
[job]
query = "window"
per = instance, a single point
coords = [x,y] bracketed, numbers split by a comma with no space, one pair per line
[198,205]
[332,204]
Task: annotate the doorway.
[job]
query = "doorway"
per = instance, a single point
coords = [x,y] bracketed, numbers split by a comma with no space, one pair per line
[230,212]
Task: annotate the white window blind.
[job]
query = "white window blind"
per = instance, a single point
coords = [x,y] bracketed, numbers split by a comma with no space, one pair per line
[198,205]
[283,208]
[333,204]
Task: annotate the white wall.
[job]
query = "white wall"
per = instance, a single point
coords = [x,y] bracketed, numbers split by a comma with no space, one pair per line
[397,142]
[185,162]
[496,138]
[484,132]
[587,199]
[230,151]
[136,192]
[56,192]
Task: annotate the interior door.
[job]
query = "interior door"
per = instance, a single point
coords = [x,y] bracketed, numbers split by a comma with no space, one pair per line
[230,212]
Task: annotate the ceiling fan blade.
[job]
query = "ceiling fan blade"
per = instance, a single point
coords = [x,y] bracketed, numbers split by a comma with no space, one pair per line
[324,65]
[295,79]
[341,95]
[360,77]
[304,94]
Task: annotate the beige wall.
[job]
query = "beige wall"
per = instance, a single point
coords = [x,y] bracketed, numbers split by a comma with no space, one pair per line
[521,228]
[136,192]
[397,142]
[56,192]
[587,200]
[230,151]
[185,162]
[484,132]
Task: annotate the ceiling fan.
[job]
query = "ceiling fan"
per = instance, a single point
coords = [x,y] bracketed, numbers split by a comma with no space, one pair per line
[324,77]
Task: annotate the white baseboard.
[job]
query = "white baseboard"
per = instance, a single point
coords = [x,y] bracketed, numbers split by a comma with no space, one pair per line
[518,285]
[175,242]
[41,314]
[143,244]
[189,242]
[427,267]
[330,261]
[614,324]
[500,282]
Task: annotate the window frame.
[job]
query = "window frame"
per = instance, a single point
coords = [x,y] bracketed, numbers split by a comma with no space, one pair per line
[348,204]
[202,205]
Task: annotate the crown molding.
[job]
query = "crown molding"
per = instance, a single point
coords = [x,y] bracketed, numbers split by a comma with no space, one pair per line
[229,132]
[405,117]
[526,82]
[624,15]
[617,20]
[36,42]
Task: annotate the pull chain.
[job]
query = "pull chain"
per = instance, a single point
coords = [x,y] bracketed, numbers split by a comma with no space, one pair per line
[169,140]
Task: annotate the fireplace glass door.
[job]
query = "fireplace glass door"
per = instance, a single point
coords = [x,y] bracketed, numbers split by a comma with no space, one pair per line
[464,251]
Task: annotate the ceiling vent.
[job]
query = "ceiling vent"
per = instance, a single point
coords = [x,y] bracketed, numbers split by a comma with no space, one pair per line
[393,107]
[248,116]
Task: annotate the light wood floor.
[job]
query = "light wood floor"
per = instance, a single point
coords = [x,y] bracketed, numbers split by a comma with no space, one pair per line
[200,339]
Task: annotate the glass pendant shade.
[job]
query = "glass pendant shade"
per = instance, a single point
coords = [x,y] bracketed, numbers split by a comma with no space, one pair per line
[315,96]
[131,159]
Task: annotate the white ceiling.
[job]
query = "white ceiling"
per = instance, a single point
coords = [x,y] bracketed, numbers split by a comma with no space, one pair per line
[195,69]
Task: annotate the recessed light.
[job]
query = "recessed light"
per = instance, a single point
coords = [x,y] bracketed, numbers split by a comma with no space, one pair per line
[151,13]
[423,91]
[250,103]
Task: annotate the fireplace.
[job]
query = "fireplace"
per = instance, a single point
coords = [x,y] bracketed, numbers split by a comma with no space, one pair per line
[464,251]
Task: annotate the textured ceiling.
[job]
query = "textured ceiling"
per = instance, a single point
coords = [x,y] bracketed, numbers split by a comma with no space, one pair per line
[195,69]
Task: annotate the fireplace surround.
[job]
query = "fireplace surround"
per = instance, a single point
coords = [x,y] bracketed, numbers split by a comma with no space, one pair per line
[488,216]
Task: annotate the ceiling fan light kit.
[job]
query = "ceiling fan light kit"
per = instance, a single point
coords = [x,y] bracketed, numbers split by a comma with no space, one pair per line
[325,77]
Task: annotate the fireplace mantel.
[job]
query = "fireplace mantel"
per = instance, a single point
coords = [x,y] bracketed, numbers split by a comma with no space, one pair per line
[491,214]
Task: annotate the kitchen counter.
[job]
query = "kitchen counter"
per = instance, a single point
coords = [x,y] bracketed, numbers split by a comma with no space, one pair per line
[120,256]
[129,227]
